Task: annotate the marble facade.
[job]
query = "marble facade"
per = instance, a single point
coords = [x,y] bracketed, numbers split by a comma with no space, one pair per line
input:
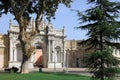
[55,52]
[4,50]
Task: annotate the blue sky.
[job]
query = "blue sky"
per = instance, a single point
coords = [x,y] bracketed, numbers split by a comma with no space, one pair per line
[69,19]
[64,17]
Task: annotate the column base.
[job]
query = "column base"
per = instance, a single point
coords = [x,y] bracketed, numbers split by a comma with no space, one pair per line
[52,65]
[18,64]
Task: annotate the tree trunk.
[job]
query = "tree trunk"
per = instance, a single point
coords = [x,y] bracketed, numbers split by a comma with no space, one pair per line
[24,65]
[25,58]
[102,62]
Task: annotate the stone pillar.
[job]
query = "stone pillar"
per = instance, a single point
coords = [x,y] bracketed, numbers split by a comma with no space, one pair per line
[64,53]
[53,52]
[11,50]
[61,55]
[49,51]
[32,58]
[15,54]
[55,56]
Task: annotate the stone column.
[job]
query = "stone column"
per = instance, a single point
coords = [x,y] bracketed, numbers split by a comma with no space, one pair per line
[64,53]
[15,53]
[67,60]
[11,50]
[55,55]
[32,58]
[61,55]
[49,51]
[53,52]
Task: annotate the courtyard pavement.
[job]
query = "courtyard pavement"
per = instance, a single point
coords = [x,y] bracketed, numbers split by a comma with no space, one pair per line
[79,71]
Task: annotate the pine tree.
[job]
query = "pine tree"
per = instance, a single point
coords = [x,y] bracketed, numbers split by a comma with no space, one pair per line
[103,28]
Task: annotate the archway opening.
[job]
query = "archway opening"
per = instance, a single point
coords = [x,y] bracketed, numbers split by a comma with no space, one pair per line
[38,55]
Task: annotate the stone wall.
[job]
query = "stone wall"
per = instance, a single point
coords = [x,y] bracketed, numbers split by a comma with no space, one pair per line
[77,53]
[4,50]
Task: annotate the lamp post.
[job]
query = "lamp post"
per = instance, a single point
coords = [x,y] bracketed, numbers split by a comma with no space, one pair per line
[67,52]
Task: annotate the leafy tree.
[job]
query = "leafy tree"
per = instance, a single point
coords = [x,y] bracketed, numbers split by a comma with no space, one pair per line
[22,10]
[93,60]
[103,28]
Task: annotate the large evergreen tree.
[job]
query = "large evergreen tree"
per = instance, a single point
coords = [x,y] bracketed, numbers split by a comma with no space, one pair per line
[103,28]
[22,10]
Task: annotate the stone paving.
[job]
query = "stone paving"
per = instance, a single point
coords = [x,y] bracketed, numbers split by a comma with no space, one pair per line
[60,69]
[79,71]
[69,70]
[1,69]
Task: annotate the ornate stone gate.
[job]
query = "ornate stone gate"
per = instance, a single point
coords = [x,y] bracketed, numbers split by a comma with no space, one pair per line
[55,54]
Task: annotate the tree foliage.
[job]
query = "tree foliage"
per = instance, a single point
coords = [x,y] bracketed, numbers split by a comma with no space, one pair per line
[101,22]
[110,62]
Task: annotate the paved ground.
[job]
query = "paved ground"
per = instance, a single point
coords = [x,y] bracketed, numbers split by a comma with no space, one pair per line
[1,70]
[79,71]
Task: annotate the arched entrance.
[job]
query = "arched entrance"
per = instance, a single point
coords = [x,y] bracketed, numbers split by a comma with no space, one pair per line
[38,55]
